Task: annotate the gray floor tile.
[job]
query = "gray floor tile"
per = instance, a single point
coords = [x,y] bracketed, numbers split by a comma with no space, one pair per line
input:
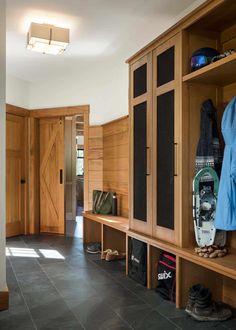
[40,299]
[23,265]
[95,314]
[47,315]
[28,283]
[134,315]
[17,322]
[79,262]
[187,323]
[120,297]
[168,310]
[154,321]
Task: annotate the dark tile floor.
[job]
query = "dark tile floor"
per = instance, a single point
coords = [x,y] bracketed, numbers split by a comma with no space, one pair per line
[81,292]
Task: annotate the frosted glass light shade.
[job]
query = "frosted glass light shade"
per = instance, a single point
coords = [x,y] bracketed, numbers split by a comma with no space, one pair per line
[47,39]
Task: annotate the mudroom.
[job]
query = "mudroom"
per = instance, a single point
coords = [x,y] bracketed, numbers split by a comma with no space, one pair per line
[118,163]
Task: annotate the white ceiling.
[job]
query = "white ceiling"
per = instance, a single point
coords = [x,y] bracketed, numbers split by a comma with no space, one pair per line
[99,29]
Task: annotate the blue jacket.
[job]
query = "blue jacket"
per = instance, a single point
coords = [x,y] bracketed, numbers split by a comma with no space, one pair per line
[226,205]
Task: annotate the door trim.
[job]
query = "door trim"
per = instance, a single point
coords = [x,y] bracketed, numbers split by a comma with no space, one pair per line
[34,164]
[60,112]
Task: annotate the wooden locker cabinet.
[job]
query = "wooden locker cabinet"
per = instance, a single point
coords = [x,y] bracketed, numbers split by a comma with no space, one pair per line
[150,95]
[140,150]
[166,143]
[211,25]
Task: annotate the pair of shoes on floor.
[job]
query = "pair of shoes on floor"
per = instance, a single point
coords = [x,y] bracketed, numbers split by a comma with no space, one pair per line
[202,308]
[94,247]
[110,255]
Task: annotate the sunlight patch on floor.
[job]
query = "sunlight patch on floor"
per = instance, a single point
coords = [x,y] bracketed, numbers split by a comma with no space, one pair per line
[51,254]
[32,253]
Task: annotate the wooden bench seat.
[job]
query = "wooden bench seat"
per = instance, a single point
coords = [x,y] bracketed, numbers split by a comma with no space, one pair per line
[119,223]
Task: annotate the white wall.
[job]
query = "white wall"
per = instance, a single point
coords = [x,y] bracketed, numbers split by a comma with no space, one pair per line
[103,85]
[17,91]
[100,82]
[2,147]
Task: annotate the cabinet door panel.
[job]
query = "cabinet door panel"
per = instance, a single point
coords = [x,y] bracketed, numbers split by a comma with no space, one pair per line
[166,140]
[140,161]
[165,160]
[15,173]
[140,181]
[140,80]
[165,66]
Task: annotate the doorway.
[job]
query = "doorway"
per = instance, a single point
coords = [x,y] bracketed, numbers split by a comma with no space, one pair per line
[74,175]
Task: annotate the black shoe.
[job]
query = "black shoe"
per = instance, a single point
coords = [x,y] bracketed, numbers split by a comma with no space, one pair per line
[192,294]
[214,312]
[201,307]
[93,247]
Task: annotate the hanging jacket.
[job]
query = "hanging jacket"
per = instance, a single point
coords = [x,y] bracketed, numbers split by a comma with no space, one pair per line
[226,205]
[208,149]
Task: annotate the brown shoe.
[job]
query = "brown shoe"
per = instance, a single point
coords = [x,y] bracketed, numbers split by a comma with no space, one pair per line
[104,253]
[114,255]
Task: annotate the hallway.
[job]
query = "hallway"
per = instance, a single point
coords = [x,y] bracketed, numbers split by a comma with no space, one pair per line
[53,284]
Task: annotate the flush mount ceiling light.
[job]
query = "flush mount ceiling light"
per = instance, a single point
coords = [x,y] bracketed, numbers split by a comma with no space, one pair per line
[47,39]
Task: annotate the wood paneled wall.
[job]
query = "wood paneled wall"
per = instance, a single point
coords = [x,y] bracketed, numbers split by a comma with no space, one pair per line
[95,161]
[116,161]
[108,160]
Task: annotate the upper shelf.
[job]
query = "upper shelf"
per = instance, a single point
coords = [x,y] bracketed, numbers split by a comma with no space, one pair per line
[221,73]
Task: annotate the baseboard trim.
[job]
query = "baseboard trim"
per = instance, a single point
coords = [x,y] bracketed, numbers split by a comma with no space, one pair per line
[4,300]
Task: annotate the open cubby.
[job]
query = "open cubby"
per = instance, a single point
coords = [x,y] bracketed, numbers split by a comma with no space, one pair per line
[113,239]
[222,288]
[138,260]
[154,255]
[216,29]
[216,81]
[107,229]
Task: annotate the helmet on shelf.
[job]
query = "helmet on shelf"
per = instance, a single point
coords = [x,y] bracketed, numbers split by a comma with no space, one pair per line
[202,57]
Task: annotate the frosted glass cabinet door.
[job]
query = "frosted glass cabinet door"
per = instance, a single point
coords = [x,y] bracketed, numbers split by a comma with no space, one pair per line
[141,133]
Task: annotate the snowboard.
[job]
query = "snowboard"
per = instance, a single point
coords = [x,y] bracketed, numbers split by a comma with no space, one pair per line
[205,191]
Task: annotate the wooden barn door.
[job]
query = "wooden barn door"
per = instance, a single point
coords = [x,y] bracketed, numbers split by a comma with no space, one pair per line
[52,175]
[15,175]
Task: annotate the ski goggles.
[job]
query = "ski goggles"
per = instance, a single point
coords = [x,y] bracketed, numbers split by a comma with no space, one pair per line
[199,61]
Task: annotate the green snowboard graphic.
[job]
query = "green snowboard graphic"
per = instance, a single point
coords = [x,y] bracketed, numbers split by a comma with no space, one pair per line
[205,191]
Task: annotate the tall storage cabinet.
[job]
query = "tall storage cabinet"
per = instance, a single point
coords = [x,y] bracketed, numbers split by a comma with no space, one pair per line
[141,138]
[154,117]
[165,116]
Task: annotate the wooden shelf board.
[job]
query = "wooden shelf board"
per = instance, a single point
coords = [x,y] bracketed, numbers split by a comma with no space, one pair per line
[225,266]
[116,222]
[220,73]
